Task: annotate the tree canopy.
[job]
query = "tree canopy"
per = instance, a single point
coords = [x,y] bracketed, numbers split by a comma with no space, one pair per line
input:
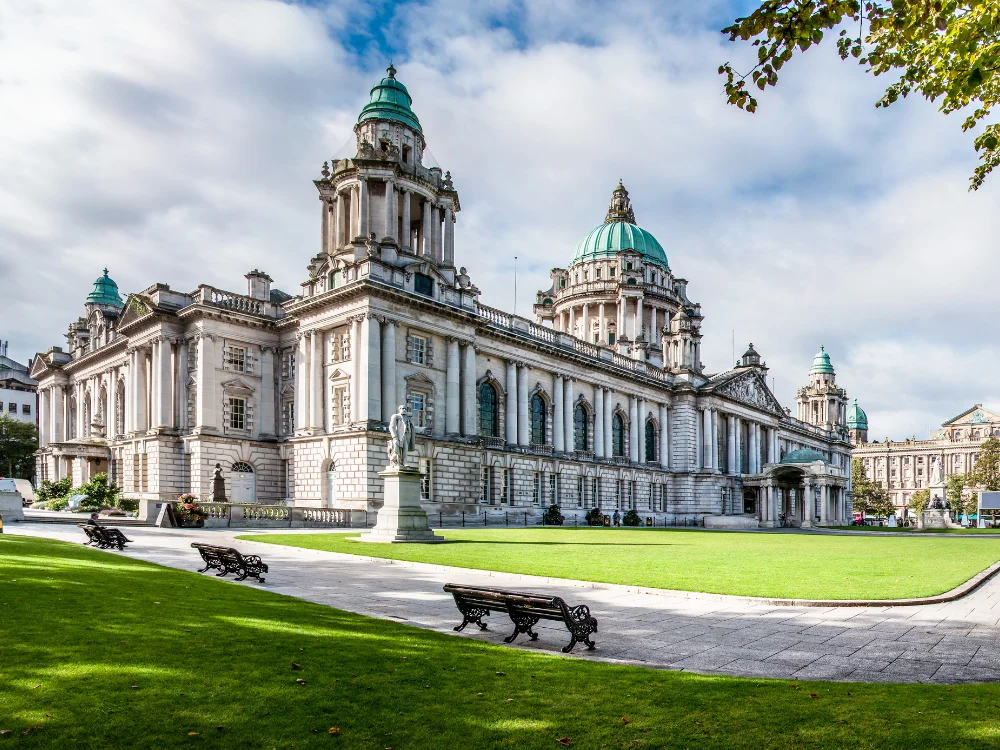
[985,475]
[18,443]
[868,497]
[919,501]
[946,50]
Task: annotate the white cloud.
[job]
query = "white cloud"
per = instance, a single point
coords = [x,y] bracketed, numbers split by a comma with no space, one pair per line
[176,142]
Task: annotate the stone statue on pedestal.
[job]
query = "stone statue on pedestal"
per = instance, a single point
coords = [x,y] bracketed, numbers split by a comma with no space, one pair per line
[402,438]
[218,486]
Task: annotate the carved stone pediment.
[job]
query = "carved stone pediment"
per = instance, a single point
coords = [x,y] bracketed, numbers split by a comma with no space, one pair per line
[750,389]
[237,387]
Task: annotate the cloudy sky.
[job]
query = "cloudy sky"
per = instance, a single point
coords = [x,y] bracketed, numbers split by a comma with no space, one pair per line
[175,141]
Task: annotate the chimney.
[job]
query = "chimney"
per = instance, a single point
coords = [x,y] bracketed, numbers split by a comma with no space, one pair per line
[258,285]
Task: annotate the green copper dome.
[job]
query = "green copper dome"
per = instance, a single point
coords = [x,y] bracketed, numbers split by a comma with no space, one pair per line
[856,417]
[803,456]
[619,232]
[105,292]
[390,101]
[821,362]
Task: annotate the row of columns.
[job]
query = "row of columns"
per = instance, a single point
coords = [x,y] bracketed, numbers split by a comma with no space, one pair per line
[832,502]
[762,445]
[347,214]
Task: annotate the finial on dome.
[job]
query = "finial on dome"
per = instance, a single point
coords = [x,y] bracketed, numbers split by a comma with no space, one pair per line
[105,270]
[391,70]
[620,208]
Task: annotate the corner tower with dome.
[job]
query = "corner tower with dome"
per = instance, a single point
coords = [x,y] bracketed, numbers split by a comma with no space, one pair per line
[600,401]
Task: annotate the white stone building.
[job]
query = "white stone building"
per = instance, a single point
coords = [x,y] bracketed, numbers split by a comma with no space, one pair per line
[905,466]
[602,400]
[18,390]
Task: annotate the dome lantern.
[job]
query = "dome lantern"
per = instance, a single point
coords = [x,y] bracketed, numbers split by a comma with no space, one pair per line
[105,292]
[619,232]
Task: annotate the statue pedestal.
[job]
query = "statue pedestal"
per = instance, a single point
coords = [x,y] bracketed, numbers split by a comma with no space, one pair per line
[936,515]
[401,519]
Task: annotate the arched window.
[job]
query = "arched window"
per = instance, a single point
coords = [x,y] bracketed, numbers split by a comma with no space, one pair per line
[617,436]
[580,428]
[537,420]
[650,440]
[489,418]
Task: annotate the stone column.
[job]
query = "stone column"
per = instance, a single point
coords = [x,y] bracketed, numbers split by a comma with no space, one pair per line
[706,439]
[511,431]
[449,236]
[371,363]
[569,435]
[316,395]
[715,440]
[363,209]
[390,209]
[56,408]
[638,318]
[523,419]
[609,407]
[405,238]
[426,247]
[324,226]
[356,371]
[558,423]
[389,405]
[664,436]
[301,382]
[267,424]
[585,323]
[439,234]
[633,429]
[642,430]
[572,321]
[772,453]
[734,456]
[654,334]
[469,391]
[602,326]
[452,380]
[808,502]
[44,417]
[164,382]
[141,421]
[599,450]
[180,387]
[339,239]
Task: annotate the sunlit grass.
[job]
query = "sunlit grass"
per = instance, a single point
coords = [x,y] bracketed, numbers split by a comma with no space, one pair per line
[103,665]
[796,566]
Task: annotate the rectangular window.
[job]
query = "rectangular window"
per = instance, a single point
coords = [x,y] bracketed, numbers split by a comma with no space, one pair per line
[425,479]
[288,418]
[631,495]
[536,488]
[619,493]
[505,488]
[345,347]
[418,409]
[418,350]
[611,338]
[237,413]
[554,488]
[12,407]
[596,493]
[597,273]
[486,486]
[339,406]
[235,358]
[580,485]
[423,284]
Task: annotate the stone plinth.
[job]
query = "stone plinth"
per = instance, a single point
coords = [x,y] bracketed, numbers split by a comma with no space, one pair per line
[731,522]
[401,519]
[936,518]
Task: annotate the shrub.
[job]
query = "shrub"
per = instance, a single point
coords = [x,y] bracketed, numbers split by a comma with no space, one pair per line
[632,519]
[58,503]
[40,505]
[51,490]
[594,517]
[129,506]
[100,493]
[553,517]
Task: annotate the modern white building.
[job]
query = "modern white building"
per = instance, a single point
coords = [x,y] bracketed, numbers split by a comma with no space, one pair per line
[601,400]
[905,466]
[18,390]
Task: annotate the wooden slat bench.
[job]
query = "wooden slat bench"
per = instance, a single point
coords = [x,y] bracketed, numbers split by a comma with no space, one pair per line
[104,537]
[524,609]
[228,560]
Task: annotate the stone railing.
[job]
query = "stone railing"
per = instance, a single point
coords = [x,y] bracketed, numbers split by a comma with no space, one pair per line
[532,330]
[241,303]
[266,513]
[242,514]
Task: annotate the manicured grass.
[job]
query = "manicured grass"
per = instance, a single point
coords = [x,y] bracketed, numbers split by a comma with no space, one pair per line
[797,566]
[104,652]
[915,530]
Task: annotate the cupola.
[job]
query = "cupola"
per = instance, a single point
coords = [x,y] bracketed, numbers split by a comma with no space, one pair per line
[105,292]
[619,232]
[389,100]
[821,363]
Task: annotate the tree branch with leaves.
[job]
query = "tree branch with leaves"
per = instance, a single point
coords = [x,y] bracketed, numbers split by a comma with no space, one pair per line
[946,51]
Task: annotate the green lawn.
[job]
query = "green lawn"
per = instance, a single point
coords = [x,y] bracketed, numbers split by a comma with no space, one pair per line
[99,651]
[915,530]
[798,566]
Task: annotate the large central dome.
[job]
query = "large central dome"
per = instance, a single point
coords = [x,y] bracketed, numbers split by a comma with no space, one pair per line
[619,232]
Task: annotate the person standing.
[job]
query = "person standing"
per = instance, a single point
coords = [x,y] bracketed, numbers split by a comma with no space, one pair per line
[616,518]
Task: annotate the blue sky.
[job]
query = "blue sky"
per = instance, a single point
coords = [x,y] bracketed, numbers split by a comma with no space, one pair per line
[175,141]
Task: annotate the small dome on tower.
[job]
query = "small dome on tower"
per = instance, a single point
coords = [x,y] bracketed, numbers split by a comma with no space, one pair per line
[856,417]
[803,456]
[105,292]
[390,101]
[619,232]
[751,358]
[821,363]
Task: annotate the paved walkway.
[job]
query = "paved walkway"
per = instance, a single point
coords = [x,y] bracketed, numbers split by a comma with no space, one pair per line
[957,641]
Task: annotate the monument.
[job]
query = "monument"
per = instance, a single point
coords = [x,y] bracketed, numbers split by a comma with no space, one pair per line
[401,519]
[218,486]
[936,515]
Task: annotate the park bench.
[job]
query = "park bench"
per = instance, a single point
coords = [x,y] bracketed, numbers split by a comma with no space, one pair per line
[524,610]
[104,537]
[228,560]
